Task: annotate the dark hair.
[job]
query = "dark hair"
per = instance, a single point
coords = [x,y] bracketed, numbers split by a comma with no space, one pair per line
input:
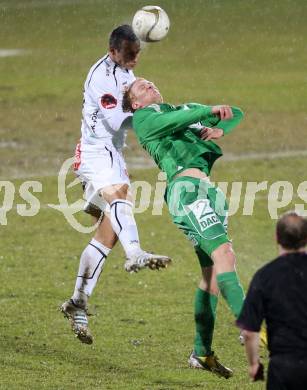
[291,231]
[127,100]
[120,34]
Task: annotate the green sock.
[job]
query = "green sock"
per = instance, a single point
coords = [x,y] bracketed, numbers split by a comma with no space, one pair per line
[231,290]
[204,315]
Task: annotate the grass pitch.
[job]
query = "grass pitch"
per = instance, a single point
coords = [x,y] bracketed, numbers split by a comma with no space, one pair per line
[249,54]
[143,324]
[244,53]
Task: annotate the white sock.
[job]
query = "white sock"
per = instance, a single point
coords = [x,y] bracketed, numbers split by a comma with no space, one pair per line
[124,225]
[91,264]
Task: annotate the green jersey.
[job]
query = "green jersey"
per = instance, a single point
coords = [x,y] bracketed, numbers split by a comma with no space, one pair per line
[171,135]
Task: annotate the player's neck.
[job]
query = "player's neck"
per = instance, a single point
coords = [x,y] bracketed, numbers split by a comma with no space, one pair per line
[112,57]
[283,251]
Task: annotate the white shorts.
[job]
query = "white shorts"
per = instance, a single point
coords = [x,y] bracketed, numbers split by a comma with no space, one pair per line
[97,169]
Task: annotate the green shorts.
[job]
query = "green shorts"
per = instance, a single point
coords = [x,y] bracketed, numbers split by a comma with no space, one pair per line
[199,209]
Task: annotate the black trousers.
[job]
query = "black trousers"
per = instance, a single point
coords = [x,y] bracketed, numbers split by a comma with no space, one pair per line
[287,372]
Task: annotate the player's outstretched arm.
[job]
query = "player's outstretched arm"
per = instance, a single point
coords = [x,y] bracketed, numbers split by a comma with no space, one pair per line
[226,117]
[150,123]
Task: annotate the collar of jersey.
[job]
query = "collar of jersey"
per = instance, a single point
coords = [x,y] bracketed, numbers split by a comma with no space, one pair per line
[115,65]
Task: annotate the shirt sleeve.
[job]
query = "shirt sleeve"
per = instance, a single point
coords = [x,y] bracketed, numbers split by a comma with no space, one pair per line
[252,313]
[226,125]
[150,123]
[109,102]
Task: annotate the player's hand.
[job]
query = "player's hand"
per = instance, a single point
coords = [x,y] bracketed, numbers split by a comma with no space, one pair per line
[224,112]
[208,133]
[256,372]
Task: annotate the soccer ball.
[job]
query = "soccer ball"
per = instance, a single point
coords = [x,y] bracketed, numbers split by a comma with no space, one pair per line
[151,23]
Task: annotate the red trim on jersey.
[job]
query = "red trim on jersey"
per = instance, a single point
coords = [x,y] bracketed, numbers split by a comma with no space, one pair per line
[77,161]
[108,101]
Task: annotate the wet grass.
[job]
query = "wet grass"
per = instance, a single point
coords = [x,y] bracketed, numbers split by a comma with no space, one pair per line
[143,324]
[250,54]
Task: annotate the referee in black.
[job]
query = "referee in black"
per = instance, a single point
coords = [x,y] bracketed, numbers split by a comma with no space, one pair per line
[278,295]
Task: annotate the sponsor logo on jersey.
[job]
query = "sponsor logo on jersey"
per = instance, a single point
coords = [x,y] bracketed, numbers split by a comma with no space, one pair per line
[94,118]
[108,101]
[204,213]
[208,221]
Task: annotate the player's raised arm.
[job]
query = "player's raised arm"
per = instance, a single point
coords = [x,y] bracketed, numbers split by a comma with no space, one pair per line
[153,120]
[150,123]
[224,118]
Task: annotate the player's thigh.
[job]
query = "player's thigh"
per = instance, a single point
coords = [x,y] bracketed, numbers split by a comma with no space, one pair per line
[105,169]
[193,205]
[224,258]
[116,191]
[220,205]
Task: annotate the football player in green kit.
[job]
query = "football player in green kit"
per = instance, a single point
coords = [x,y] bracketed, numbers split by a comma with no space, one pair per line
[179,139]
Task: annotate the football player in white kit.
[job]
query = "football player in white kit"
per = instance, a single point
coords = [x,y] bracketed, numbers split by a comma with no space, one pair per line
[101,169]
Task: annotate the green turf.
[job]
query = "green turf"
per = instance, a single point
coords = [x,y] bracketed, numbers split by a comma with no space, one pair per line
[143,325]
[246,53]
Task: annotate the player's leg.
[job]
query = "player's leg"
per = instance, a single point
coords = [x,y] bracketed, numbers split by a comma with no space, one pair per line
[92,261]
[228,281]
[88,169]
[107,182]
[206,299]
[237,292]
[212,223]
[229,261]
[205,302]
[91,265]
[186,210]
[124,225]
[202,213]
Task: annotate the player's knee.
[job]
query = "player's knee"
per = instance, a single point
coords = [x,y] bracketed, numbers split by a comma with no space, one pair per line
[224,250]
[115,192]
[122,192]
[224,256]
[211,288]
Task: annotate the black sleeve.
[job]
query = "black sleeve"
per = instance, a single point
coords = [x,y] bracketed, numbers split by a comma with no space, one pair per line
[252,313]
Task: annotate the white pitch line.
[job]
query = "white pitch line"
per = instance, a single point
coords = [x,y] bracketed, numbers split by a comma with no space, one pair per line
[140,162]
[45,3]
[12,52]
[10,144]
[265,155]
[146,163]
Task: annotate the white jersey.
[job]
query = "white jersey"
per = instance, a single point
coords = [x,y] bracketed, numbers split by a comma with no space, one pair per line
[104,122]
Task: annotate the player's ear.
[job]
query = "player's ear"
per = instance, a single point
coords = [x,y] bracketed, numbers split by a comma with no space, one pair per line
[112,50]
[135,105]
